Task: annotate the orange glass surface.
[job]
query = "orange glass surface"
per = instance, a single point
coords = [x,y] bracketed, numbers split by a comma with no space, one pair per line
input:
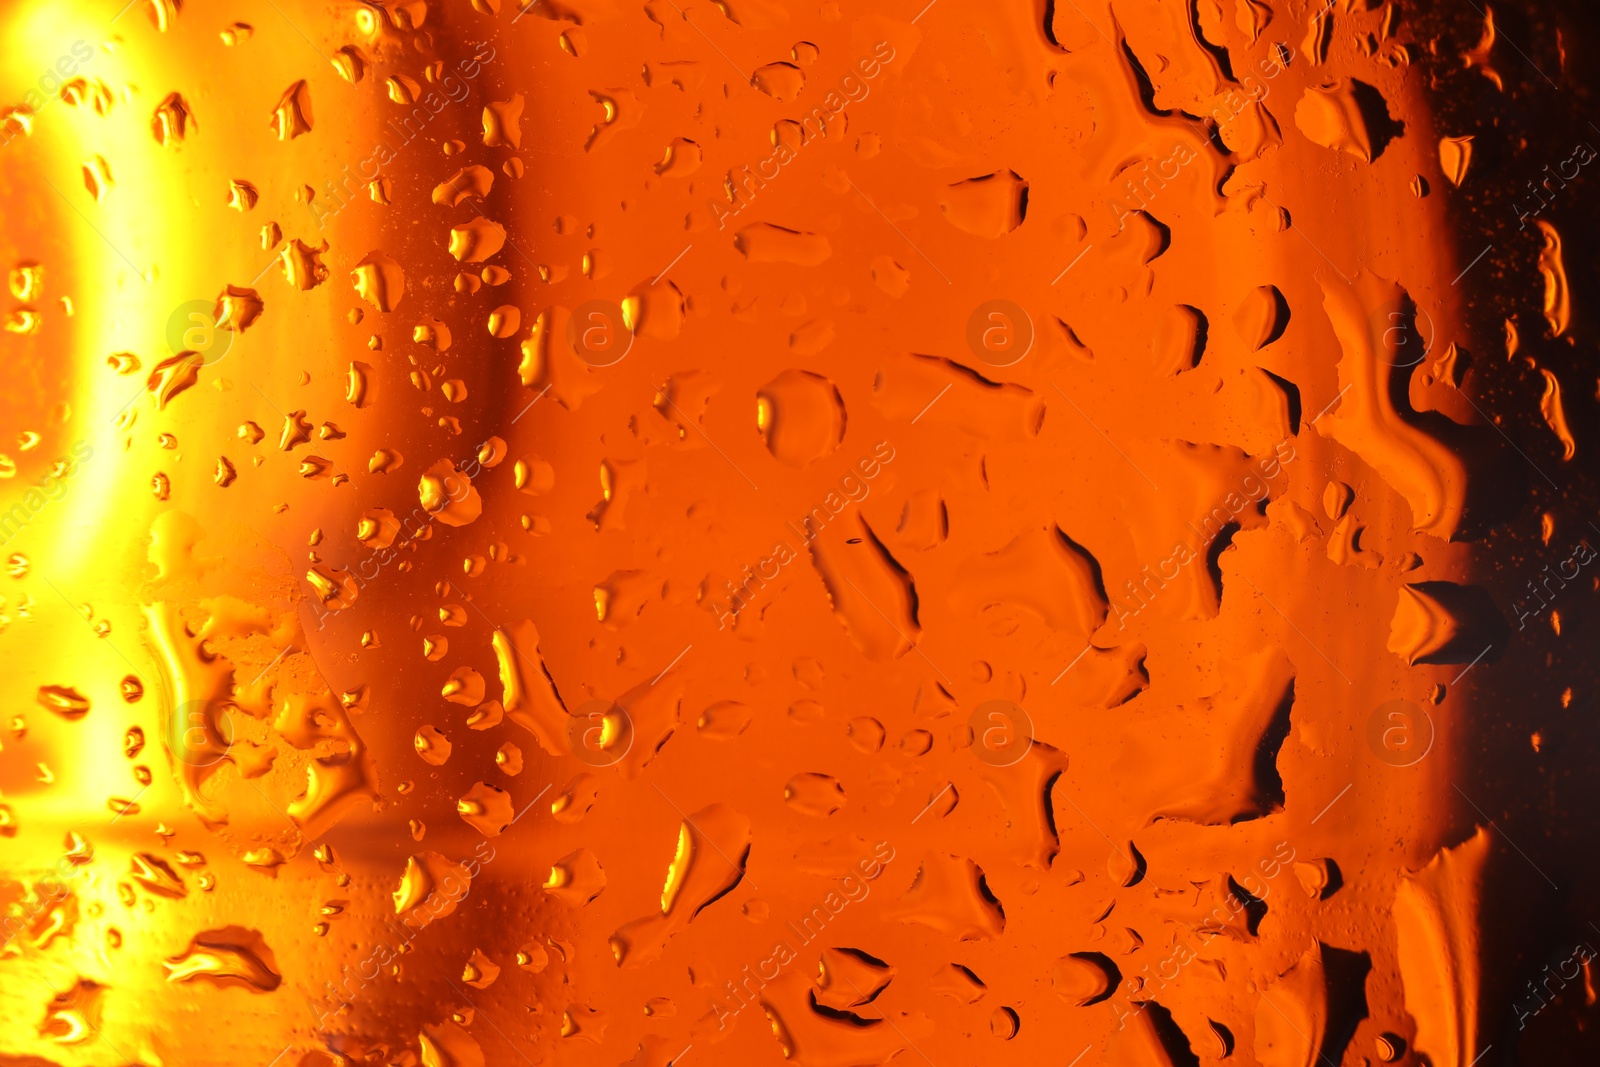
[740,531]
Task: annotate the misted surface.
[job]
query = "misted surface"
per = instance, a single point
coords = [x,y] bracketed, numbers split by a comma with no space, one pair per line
[739,531]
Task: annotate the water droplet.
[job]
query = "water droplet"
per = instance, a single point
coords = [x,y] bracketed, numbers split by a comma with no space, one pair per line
[351,63]
[486,808]
[800,416]
[64,701]
[449,495]
[97,177]
[951,896]
[27,282]
[292,117]
[476,240]
[1455,156]
[302,264]
[502,122]
[157,876]
[991,206]
[767,243]
[576,879]
[380,281]
[781,81]
[815,794]
[1084,978]
[432,745]
[173,120]
[231,956]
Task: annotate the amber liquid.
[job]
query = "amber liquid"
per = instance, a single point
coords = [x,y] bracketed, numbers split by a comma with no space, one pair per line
[749,531]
